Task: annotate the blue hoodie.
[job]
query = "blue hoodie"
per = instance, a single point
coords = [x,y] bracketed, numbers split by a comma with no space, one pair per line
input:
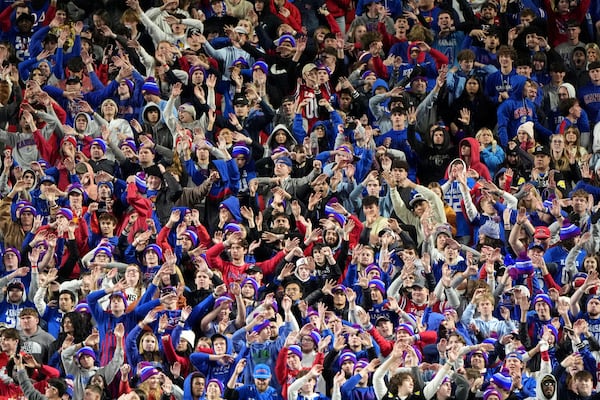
[187,387]
[214,369]
[233,205]
[515,111]
[228,184]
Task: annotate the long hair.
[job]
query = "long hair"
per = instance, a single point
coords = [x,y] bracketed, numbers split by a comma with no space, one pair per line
[153,355]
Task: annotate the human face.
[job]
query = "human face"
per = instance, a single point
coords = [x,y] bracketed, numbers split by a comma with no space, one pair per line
[575,111]
[15,295]
[466,65]
[86,361]
[293,291]
[558,143]
[485,137]
[590,264]
[445,21]
[65,302]
[584,387]
[376,295]
[202,280]
[563,93]
[117,307]
[406,387]
[149,343]
[371,211]
[593,307]
[322,76]
[543,310]
[592,54]
[219,346]
[261,384]
[8,345]
[359,32]
[237,252]
[419,86]
[541,161]
[485,307]
[505,61]
[331,237]
[513,364]
[570,136]
[491,42]
[595,75]
[366,257]
[145,156]
[198,383]
[281,222]
[477,361]
[548,388]
[28,323]
[153,182]
[96,152]
[311,77]
[373,188]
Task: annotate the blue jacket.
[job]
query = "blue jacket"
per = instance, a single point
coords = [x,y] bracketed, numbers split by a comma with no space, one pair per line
[515,111]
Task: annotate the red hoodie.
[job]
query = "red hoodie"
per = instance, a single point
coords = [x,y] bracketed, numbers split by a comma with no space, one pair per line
[475,163]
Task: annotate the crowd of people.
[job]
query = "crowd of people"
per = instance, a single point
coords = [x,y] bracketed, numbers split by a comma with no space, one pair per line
[300,200]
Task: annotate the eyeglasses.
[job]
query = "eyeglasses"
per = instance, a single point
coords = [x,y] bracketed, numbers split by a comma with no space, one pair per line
[548,383]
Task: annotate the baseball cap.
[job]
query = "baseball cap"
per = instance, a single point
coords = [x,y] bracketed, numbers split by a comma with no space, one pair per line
[542,232]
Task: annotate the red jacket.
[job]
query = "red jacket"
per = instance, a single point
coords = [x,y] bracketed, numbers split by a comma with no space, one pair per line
[294,20]
[286,376]
[233,273]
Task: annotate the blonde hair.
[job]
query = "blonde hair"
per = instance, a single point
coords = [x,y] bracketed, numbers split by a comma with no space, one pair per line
[487,130]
